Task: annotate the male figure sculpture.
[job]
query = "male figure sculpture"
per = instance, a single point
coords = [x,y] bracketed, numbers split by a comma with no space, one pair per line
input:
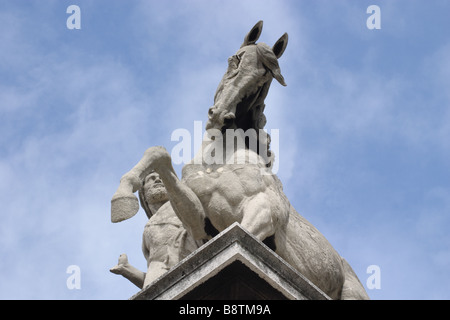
[165,241]
[212,195]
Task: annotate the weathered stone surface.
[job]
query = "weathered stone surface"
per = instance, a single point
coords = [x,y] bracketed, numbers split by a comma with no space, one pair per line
[201,275]
[165,241]
[231,180]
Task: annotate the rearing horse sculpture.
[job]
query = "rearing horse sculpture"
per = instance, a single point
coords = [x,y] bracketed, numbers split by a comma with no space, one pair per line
[213,195]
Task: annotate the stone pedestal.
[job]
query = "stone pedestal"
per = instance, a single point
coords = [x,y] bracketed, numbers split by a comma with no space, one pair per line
[232,266]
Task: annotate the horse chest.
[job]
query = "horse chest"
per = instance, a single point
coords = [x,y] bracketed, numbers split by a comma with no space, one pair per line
[221,191]
[209,184]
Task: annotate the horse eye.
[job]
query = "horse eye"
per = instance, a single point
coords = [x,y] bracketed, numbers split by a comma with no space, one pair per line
[234,61]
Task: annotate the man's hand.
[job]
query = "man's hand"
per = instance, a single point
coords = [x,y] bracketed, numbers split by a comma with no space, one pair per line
[121,265]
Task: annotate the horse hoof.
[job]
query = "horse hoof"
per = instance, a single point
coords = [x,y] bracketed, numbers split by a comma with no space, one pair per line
[123,207]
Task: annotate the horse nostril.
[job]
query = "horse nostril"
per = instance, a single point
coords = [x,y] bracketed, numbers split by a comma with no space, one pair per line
[211,112]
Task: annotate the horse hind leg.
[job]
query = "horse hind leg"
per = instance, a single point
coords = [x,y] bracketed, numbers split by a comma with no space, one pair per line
[352,288]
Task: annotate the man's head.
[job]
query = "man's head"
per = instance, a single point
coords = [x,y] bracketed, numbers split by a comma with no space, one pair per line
[152,193]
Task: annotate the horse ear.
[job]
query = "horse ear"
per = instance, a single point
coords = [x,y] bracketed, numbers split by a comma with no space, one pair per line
[279,46]
[253,35]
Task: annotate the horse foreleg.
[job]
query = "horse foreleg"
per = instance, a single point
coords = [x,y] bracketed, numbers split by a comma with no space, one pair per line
[184,201]
[257,218]
[124,204]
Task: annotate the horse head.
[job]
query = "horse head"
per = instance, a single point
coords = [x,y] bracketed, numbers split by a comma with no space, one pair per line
[239,99]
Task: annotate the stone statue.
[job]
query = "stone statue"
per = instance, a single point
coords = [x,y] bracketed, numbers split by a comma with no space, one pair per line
[165,241]
[219,188]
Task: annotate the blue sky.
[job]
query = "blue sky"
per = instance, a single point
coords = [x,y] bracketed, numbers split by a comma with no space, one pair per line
[364,130]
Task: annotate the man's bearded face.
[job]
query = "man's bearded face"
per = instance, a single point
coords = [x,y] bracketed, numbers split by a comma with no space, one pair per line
[154,189]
